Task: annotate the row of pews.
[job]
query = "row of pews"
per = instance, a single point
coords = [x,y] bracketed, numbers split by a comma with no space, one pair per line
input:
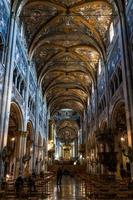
[42,185]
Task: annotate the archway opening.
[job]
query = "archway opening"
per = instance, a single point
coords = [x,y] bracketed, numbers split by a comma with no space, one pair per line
[12,160]
[121,140]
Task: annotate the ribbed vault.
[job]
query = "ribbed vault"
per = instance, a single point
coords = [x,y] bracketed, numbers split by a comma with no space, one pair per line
[66,38]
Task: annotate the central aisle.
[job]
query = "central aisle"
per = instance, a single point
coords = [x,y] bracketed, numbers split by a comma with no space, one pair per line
[70,189]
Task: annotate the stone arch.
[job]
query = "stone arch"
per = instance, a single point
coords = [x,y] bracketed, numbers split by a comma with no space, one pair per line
[16,115]
[15,130]
[118,118]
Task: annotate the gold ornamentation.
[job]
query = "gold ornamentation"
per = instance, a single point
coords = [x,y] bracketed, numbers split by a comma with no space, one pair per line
[66,38]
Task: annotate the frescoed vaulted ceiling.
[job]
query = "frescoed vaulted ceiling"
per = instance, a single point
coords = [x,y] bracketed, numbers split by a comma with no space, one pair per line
[66,38]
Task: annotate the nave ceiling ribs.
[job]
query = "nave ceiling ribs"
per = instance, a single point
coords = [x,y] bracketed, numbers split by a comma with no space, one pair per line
[66,39]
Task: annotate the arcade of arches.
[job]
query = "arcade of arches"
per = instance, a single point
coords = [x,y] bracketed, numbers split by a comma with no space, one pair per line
[66,94]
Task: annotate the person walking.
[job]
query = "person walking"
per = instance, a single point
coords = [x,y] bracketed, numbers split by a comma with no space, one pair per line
[122,171]
[59,176]
[19,185]
[31,183]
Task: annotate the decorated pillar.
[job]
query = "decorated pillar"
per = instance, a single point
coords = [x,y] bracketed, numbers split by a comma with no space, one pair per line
[19,152]
[8,77]
[6,92]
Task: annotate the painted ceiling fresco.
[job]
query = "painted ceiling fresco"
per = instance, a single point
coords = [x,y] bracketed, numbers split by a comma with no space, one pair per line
[67,130]
[66,39]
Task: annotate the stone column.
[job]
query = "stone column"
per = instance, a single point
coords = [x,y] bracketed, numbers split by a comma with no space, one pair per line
[107,89]
[19,151]
[127,76]
[26,98]
[46,152]
[7,85]
[26,112]
[90,123]
[35,137]
[8,77]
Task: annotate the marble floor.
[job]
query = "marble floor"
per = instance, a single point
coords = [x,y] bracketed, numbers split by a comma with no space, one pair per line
[70,189]
[76,189]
